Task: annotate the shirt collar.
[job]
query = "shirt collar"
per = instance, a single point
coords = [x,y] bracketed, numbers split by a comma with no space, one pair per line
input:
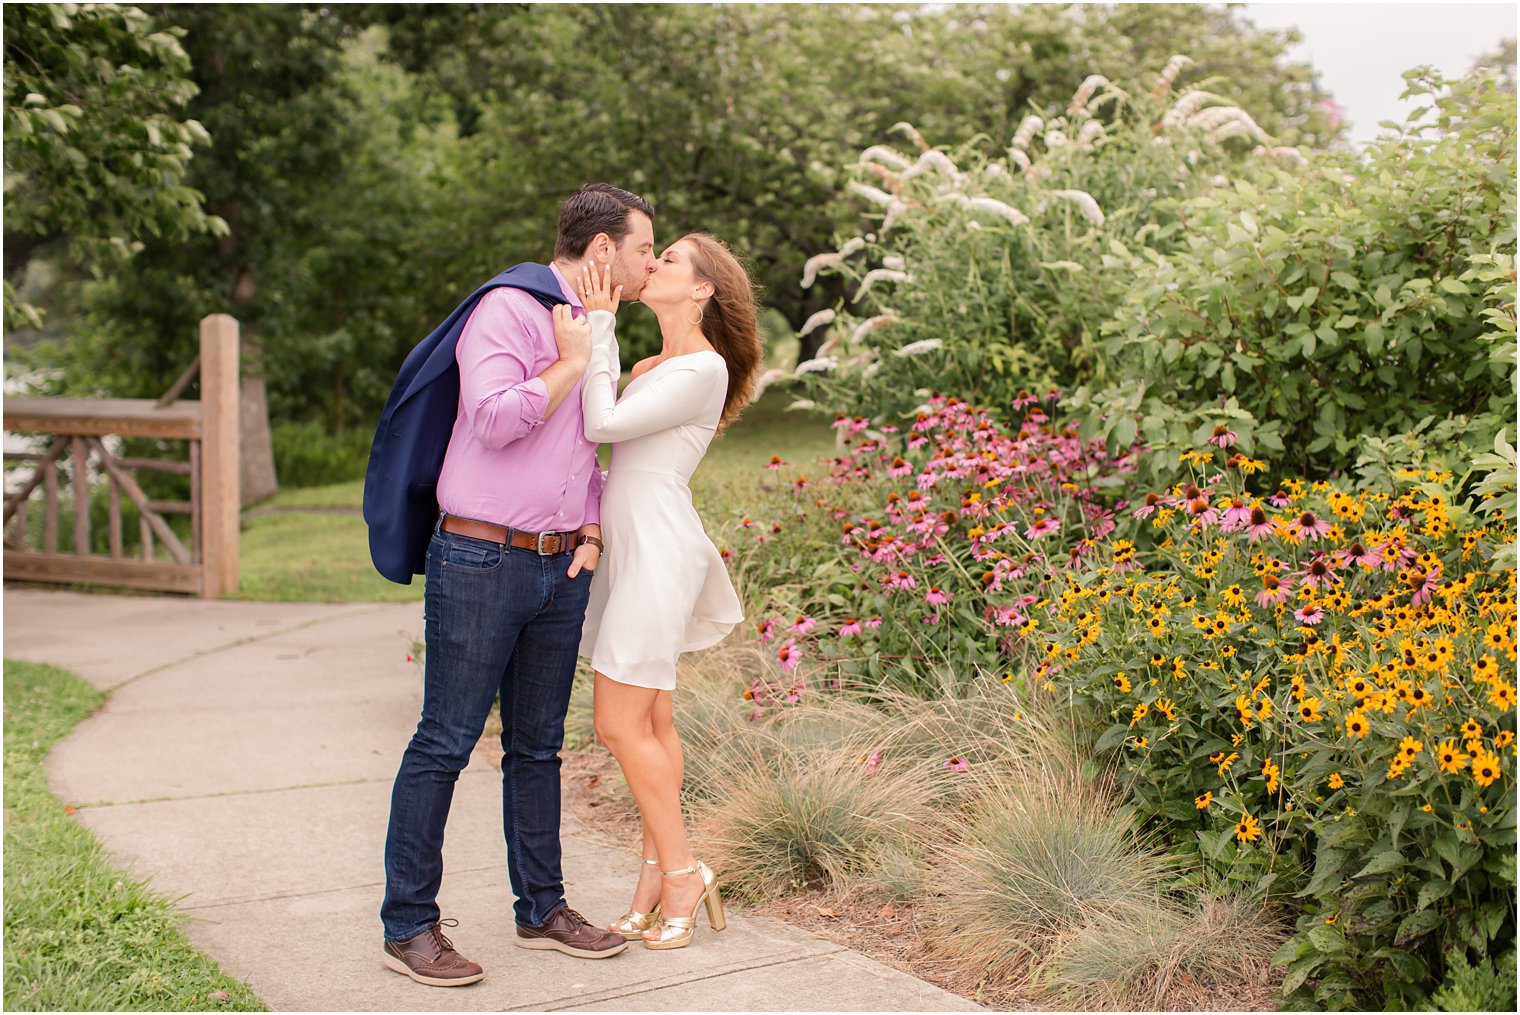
[564,287]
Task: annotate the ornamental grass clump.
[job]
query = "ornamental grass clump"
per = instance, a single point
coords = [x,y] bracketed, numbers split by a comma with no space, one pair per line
[787,820]
[1044,853]
[1310,690]
[1164,957]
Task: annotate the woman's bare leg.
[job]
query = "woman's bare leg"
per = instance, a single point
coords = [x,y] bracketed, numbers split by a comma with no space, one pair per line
[624,716]
[647,894]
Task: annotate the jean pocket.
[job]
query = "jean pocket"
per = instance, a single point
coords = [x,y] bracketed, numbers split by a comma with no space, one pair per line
[472,555]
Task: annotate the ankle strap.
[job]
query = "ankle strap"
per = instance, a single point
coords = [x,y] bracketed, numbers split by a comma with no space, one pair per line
[652,863]
[683,870]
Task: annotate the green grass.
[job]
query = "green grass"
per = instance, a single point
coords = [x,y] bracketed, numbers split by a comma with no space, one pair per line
[300,546]
[80,934]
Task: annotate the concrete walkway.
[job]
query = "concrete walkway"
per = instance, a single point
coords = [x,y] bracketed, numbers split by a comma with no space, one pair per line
[244,761]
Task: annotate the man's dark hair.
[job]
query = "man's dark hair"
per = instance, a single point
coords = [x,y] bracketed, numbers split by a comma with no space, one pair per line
[595,208]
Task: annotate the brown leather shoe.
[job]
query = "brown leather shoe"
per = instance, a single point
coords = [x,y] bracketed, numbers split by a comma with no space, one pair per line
[430,958]
[569,932]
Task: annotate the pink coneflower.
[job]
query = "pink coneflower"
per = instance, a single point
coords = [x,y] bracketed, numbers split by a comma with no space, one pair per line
[789,656]
[1259,525]
[957,764]
[1148,507]
[795,694]
[874,761]
[900,580]
[1422,582]
[1201,513]
[841,422]
[1319,572]
[1280,499]
[1273,589]
[1237,515]
[900,467]
[1005,616]
[873,623]
[1306,526]
[746,524]
[799,484]
[936,597]
[931,618]
[803,626]
[850,629]
[1309,615]
[726,554]
[1223,437]
[917,441]
[1025,400]
[1044,527]
[776,462]
[1358,554]
[767,631]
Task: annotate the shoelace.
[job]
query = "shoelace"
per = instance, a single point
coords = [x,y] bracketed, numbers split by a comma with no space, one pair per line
[446,944]
[578,918]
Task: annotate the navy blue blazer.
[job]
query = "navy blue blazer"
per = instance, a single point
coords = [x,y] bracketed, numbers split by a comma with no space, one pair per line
[401,481]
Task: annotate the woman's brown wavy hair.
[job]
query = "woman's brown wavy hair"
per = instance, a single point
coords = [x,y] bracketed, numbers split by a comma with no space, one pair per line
[728,320]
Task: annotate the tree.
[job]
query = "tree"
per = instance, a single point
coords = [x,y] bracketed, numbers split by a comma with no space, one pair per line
[97,149]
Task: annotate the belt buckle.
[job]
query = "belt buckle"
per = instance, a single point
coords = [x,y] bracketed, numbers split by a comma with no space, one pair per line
[540,547]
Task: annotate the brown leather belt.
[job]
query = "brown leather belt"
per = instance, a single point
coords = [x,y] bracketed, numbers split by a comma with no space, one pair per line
[543,543]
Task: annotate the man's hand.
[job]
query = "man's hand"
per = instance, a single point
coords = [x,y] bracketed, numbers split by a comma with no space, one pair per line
[586,556]
[573,337]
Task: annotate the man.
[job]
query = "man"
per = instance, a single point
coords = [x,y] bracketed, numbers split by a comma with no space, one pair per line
[508,574]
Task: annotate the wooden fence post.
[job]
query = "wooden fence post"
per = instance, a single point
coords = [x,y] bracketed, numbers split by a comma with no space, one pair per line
[219,454]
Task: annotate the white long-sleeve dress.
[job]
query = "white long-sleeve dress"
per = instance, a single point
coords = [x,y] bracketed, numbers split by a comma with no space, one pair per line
[660,588]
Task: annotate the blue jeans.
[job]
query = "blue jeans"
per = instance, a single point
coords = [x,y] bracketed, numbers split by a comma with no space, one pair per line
[497,621]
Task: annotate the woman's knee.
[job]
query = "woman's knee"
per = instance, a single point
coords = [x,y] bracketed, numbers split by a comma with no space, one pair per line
[618,731]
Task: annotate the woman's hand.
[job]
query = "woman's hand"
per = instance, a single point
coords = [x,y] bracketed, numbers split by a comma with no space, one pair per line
[597,292]
[572,335]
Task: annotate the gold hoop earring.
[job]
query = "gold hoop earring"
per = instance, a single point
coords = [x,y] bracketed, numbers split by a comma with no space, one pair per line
[698,308]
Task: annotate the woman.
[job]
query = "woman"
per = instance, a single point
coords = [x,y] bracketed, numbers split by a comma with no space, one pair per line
[661,588]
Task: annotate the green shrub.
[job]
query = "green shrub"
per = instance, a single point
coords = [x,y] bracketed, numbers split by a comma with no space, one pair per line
[309,454]
[1336,300]
[1133,254]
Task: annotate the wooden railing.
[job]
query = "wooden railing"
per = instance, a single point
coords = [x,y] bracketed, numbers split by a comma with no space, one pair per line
[73,430]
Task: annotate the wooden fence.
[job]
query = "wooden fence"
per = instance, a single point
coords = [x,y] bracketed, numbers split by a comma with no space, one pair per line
[75,429]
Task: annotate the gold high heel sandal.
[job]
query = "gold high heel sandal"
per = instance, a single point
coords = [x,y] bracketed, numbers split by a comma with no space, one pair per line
[633,924]
[677,931]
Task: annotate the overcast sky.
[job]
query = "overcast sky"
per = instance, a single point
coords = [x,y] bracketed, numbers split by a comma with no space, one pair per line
[1361,50]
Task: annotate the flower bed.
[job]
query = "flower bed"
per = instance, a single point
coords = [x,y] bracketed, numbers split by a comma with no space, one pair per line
[1307,690]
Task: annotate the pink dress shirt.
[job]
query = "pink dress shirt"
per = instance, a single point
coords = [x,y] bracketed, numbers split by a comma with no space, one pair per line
[506,463]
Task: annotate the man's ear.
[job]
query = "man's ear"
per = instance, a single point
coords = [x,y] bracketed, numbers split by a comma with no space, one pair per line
[602,248]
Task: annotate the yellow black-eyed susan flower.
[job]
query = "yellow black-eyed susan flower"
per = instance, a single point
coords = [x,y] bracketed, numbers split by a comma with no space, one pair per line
[1202,800]
[1357,725]
[1485,768]
[1449,758]
[1308,710]
[1502,695]
[1224,765]
[1472,730]
[1248,829]
[1409,747]
[1335,781]
[1167,708]
[1121,682]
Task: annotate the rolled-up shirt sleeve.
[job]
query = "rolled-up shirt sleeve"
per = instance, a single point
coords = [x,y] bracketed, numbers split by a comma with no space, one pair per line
[500,395]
